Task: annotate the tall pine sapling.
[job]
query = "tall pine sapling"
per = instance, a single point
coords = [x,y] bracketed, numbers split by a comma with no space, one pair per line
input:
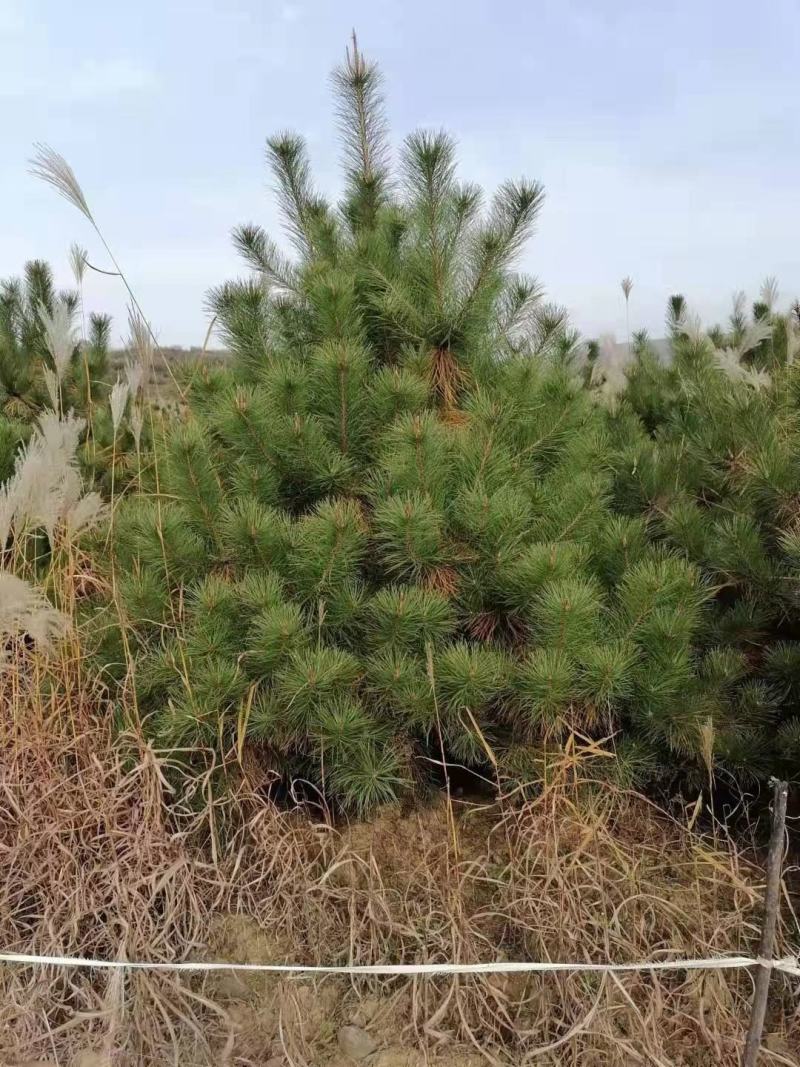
[384,533]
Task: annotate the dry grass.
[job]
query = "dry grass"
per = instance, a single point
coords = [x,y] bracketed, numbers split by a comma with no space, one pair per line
[160,380]
[108,850]
[93,869]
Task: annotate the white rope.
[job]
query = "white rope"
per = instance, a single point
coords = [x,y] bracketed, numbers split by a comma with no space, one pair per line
[789,965]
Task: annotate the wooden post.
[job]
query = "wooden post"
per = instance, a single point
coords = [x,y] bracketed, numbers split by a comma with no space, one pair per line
[772,898]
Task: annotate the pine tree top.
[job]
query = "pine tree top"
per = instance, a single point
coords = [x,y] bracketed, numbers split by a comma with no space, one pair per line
[410,257]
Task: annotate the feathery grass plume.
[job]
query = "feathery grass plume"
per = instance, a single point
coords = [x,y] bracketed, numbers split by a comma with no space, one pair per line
[60,435]
[692,325]
[46,482]
[134,378]
[61,336]
[8,508]
[792,326]
[84,514]
[78,258]
[140,345]
[46,490]
[608,370]
[52,386]
[753,336]
[758,378]
[137,424]
[738,317]
[118,401]
[53,169]
[627,286]
[26,612]
[729,359]
[769,292]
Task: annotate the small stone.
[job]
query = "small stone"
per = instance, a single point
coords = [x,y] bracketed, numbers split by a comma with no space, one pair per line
[355,1042]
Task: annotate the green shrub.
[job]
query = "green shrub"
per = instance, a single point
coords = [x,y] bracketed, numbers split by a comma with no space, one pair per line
[708,451]
[384,534]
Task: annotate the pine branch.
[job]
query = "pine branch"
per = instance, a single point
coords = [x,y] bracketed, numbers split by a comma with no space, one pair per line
[302,208]
[363,133]
[263,255]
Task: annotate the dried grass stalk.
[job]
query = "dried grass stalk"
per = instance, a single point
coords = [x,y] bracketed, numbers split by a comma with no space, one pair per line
[110,850]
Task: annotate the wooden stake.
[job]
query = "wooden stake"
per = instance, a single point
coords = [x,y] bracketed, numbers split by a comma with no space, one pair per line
[771,909]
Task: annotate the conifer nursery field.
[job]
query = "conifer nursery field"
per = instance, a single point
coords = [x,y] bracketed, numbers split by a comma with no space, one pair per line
[417,629]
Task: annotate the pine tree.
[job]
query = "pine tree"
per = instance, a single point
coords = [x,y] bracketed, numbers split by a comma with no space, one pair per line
[708,447]
[43,362]
[383,536]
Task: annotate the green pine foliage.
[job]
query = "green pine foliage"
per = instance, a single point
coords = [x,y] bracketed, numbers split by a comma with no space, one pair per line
[25,359]
[384,536]
[708,449]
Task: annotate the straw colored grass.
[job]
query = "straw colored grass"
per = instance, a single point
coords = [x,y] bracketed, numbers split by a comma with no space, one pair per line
[110,850]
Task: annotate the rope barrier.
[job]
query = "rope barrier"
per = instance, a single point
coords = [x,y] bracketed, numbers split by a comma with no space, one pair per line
[787,965]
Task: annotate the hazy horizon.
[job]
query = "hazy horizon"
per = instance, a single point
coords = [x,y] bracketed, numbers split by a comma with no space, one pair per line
[665,138]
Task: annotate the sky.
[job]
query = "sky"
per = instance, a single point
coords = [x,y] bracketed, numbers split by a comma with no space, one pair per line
[667,135]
